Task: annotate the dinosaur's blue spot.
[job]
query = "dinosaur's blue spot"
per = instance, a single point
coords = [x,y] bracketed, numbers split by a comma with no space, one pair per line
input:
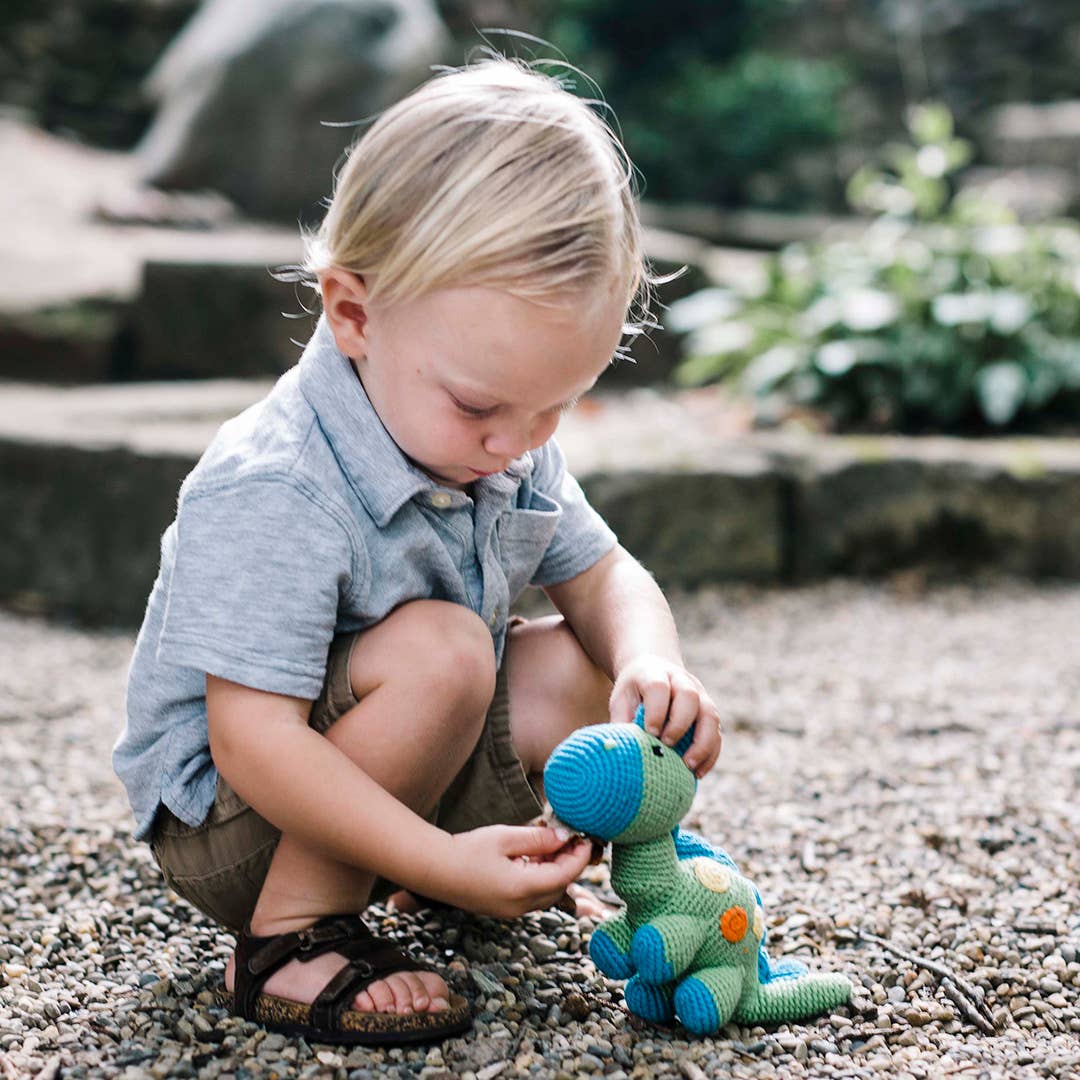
[770,970]
[695,1007]
[649,1002]
[606,956]
[592,787]
[649,955]
[689,845]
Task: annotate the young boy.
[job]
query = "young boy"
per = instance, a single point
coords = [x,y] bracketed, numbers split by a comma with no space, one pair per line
[328,694]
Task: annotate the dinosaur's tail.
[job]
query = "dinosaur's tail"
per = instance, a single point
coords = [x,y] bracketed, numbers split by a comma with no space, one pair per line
[794,998]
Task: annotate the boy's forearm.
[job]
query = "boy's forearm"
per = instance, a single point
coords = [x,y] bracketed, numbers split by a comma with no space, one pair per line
[618,612]
[300,782]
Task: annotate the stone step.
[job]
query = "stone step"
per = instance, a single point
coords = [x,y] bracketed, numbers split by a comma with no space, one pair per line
[92,290]
[1022,133]
[89,477]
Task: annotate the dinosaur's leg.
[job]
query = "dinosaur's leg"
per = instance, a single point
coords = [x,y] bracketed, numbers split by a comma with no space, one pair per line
[793,998]
[652,1003]
[663,948]
[610,947]
[706,1000]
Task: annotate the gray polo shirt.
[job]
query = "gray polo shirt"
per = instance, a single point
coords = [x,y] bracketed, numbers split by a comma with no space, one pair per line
[304,520]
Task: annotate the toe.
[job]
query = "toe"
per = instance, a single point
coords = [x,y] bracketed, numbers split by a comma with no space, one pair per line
[587,905]
[418,995]
[403,902]
[380,997]
[436,990]
[402,991]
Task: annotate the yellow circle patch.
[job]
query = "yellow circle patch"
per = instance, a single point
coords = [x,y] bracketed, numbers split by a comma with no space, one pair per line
[759,923]
[714,876]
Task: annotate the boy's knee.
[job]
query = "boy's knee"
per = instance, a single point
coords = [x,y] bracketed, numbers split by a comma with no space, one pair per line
[446,647]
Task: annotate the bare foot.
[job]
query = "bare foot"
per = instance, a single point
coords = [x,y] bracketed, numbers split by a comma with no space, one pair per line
[587,905]
[402,992]
[403,902]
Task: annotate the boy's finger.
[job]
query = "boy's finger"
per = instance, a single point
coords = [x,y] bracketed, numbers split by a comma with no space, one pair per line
[535,840]
[655,697]
[682,712]
[705,749]
[559,871]
[623,705]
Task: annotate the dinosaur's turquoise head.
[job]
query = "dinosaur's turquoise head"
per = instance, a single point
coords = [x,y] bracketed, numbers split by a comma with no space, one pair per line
[619,783]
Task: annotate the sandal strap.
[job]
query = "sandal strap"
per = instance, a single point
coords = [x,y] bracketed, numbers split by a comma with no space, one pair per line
[369,958]
[257,958]
[357,975]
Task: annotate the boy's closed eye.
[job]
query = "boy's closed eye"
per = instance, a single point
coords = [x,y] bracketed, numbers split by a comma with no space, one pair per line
[476,411]
[479,412]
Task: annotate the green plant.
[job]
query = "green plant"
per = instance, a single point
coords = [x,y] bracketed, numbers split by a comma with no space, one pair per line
[943,314]
[704,100]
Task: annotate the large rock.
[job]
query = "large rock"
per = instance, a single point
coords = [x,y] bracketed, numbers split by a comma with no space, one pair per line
[696,526]
[872,506]
[214,318]
[82,527]
[247,89]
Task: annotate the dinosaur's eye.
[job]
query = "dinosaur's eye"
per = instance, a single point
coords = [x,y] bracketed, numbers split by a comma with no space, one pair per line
[658,751]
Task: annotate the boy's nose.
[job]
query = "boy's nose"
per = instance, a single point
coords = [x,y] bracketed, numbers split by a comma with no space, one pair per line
[511,442]
[506,446]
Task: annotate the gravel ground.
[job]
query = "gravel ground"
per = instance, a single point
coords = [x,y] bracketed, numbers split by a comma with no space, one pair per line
[900,776]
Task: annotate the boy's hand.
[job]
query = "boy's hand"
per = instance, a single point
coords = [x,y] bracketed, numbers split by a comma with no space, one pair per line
[506,870]
[673,699]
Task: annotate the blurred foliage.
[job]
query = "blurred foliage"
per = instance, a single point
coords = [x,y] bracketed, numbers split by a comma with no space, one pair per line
[76,66]
[944,314]
[703,106]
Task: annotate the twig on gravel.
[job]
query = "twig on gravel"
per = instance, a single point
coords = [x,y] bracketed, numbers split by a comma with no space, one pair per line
[956,986]
[1037,928]
[965,1006]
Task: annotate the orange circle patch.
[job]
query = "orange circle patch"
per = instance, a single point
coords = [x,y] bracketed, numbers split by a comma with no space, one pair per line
[733,923]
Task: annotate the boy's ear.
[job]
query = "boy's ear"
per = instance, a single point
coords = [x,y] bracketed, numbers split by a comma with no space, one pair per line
[344,297]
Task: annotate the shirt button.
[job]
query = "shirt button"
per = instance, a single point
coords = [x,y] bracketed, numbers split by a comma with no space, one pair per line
[494,620]
[441,500]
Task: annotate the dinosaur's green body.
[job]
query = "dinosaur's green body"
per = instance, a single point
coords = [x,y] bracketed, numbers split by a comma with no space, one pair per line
[689,938]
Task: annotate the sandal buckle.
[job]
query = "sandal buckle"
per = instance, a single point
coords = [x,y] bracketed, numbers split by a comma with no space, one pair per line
[305,940]
[364,967]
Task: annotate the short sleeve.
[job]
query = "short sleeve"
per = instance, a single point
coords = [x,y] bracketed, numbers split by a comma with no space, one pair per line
[582,537]
[259,572]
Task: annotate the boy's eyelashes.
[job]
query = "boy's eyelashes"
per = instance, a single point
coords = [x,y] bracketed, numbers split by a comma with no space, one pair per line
[478,412]
[475,411]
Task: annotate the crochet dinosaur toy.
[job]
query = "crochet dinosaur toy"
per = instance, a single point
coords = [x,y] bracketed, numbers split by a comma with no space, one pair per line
[691,938]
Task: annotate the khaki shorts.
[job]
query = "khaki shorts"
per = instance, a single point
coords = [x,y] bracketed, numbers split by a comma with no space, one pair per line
[219,866]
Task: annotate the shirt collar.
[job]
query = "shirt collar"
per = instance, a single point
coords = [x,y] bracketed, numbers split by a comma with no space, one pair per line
[381,475]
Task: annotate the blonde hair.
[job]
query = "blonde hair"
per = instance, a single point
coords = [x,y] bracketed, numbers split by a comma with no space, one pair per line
[491,175]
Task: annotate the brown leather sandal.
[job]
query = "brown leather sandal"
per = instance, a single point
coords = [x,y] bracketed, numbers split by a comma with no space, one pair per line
[329,1018]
